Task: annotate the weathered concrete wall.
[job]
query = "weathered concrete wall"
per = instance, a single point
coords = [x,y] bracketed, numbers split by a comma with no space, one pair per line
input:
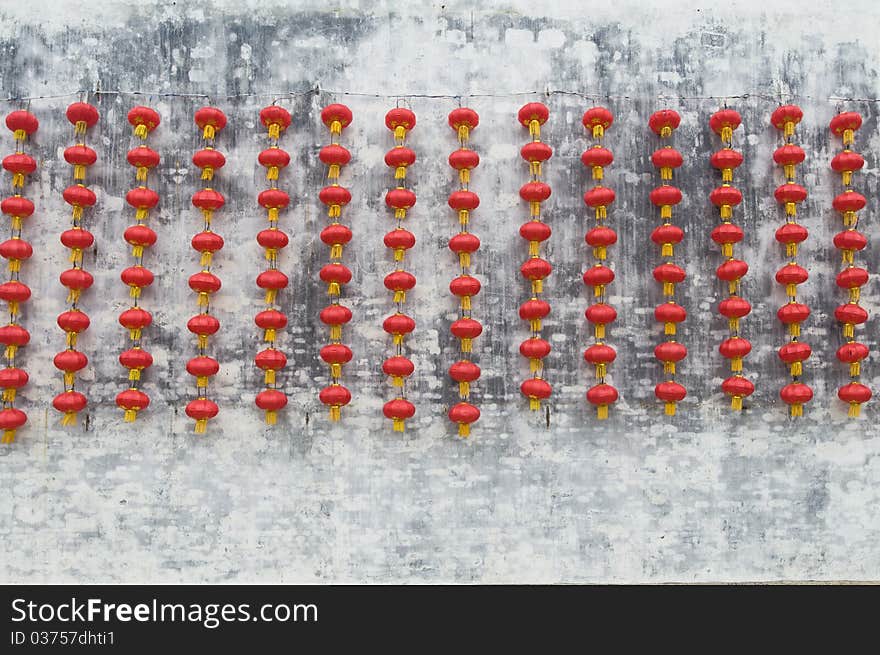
[704,496]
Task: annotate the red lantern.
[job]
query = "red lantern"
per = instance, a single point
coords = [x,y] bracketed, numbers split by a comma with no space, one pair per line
[70,403]
[335,275]
[82,116]
[796,395]
[201,410]
[464,372]
[336,117]
[11,419]
[335,396]
[600,355]
[398,368]
[664,122]
[335,354]
[144,159]
[666,159]
[536,390]
[670,393]
[737,387]
[22,124]
[270,361]
[602,395]
[209,160]
[201,368]
[210,120]
[534,349]
[855,394]
[597,120]
[724,123]
[466,330]
[464,414]
[271,401]
[276,119]
[134,320]
[132,401]
[144,120]
[136,360]
[794,354]
[399,410]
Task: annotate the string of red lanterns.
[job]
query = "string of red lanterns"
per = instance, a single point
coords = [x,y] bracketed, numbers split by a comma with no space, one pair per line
[136,319]
[599,314]
[734,308]
[15,250]
[851,278]
[210,121]
[463,201]
[270,360]
[796,394]
[663,123]
[532,116]
[335,235]
[400,121]
[74,321]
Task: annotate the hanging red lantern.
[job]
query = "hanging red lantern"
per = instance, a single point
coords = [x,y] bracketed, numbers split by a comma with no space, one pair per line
[670,393]
[11,419]
[534,349]
[602,395]
[735,348]
[600,315]
[335,397]
[790,195]
[211,121]
[336,316]
[132,401]
[273,159]
[272,281]
[336,117]
[135,360]
[275,119]
[399,410]
[69,403]
[144,120]
[336,354]
[398,368]
[271,401]
[22,124]
[135,320]
[270,361]
[535,269]
[464,414]
[82,116]
[855,394]
[846,163]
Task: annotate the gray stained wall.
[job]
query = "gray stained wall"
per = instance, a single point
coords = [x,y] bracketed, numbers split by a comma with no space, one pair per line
[555,496]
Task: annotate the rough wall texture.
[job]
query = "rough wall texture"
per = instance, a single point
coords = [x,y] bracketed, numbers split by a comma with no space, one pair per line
[530,498]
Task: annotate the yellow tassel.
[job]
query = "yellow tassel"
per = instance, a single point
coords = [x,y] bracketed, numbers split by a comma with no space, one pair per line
[537,286]
[666,211]
[333,172]
[335,127]
[847,177]
[534,404]
[269,376]
[669,367]
[14,265]
[669,409]
[334,211]
[535,168]
[207,214]
[535,324]
[669,328]
[464,389]
[206,258]
[208,173]
[272,173]
[271,253]
[534,248]
[335,413]
[75,254]
[80,127]
[736,402]
[203,299]
[400,132]
[598,290]
[400,173]
[791,249]
[141,174]
[134,291]
[794,329]
[535,365]
[130,415]
[797,369]
[8,395]
[726,211]
[140,131]
[275,131]
[726,134]
[855,369]
[272,214]
[788,130]
[600,252]
[335,332]
[464,429]
[463,215]
[665,132]
[847,256]
[666,250]
[464,259]
[601,212]
[271,417]
[134,334]
[733,287]
[535,129]
[333,290]
[848,137]
[736,364]
[76,214]
[19,135]
[849,219]
[733,324]
[399,254]
[853,410]
[140,214]
[208,134]
[203,341]
[398,423]
[789,170]
[599,331]
[73,296]
[17,180]
[602,412]
[335,370]
[69,418]
[598,173]
[400,214]
[136,251]
[396,381]
[10,351]
[727,175]
[797,410]
[16,222]
[397,339]
[665,173]
[466,303]
[13,307]
[466,345]
[535,208]
[668,289]
[791,208]
[848,330]
[270,296]
[71,339]
[727,249]
[8,436]
[464,132]
[791,290]
[464,176]
[269,335]
[134,374]
[202,423]
[336,251]
[601,370]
